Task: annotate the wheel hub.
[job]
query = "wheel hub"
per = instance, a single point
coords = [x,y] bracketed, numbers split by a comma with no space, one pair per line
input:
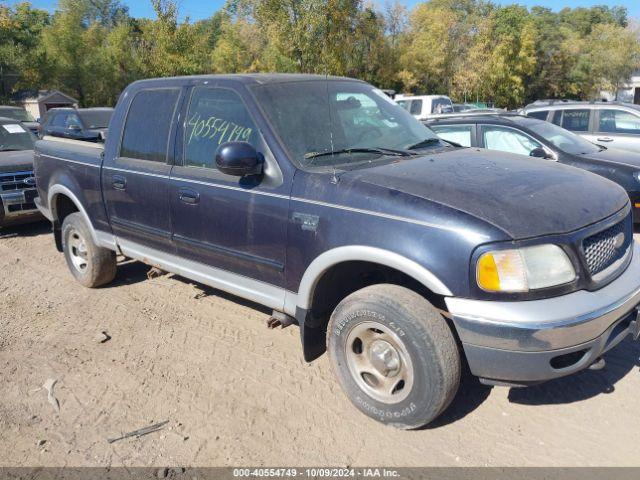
[384,358]
[379,362]
[78,251]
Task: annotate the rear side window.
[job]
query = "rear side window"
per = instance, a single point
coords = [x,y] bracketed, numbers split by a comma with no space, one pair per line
[541,115]
[460,134]
[557,117]
[146,130]
[619,121]
[215,116]
[576,120]
[416,107]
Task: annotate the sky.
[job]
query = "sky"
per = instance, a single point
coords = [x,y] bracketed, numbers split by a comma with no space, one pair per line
[197,9]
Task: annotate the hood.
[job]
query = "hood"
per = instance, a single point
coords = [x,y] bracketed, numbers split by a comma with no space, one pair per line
[524,197]
[615,156]
[19,161]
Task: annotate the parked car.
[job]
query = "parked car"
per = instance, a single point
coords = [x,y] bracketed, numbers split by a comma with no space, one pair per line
[322,199]
[21,115]
[537,138]
[608,123]
[425,106]
[88,124]
[17,182]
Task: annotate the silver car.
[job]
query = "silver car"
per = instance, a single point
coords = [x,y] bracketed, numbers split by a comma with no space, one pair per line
[611,124]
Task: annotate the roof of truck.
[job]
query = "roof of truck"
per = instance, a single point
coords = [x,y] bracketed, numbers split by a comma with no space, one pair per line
[250,78]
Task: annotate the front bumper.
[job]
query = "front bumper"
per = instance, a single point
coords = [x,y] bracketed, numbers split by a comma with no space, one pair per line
[17,207]
[538,340]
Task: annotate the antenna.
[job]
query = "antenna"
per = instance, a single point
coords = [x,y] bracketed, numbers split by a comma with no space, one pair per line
[334,178]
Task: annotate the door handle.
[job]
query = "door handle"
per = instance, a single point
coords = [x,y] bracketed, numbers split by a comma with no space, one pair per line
[189,196]
[605,139]
[119,183]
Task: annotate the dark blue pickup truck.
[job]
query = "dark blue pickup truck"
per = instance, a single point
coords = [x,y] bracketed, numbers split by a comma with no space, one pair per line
[402,255]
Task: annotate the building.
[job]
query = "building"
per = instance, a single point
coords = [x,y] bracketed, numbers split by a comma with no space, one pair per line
[38,102]
[629,93]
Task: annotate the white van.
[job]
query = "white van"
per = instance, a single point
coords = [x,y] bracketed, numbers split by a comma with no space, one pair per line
[425,106]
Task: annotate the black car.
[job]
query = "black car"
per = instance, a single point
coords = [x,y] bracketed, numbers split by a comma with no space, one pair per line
[89,124]
[21,115]
[537,138]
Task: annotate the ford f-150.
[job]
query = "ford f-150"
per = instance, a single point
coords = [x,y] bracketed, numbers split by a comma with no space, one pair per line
[400,254]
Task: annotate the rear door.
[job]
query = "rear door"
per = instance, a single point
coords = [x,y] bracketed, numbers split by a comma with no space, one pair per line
[135,182]
[234,224]
[578,121]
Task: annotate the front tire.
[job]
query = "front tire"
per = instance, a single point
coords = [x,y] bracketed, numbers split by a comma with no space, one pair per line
[91,265]
[394,355]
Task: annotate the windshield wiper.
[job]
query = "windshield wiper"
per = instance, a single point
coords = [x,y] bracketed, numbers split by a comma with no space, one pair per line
[424,143]
[381,151]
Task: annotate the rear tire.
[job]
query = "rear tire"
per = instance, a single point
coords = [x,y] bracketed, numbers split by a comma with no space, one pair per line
[91,265]
[394,355]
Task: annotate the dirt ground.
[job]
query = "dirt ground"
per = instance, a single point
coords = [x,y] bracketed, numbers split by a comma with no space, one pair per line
[236,393]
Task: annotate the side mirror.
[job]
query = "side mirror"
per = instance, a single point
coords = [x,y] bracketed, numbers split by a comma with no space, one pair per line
[239,159]
[539,152]
[74,128]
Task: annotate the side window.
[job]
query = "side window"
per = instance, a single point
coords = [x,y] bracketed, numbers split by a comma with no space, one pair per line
[416,107]
[508,140]
[541,115]
[215,116]
[460,134]
[576,120]
[619,121]
[557,117]
[59,120]
[72,119]
[146,130]
[441,105]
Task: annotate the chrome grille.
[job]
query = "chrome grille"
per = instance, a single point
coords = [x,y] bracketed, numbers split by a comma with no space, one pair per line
[10,182]
[606,247]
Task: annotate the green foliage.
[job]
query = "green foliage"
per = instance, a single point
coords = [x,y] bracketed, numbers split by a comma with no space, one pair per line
[469,49]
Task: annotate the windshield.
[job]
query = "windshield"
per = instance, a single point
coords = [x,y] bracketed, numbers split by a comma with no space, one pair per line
[95,118]
[356,121]
[14,136]
[563,139]
[16,114]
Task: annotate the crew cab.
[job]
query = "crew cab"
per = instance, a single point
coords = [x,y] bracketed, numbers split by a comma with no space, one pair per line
[319,197]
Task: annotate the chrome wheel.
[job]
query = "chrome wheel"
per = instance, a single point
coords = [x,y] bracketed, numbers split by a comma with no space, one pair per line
[379,362]
[77,251]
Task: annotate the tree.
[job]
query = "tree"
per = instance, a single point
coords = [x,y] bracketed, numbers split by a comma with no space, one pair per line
[612,55]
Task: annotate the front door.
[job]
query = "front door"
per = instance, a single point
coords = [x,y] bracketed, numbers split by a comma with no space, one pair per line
[135,182]
[233,224]
[619,129]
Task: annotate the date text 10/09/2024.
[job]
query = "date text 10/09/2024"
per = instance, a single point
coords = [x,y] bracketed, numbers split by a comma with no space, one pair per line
[316,472]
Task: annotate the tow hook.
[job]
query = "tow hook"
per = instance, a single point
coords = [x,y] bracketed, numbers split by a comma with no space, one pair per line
[599,364]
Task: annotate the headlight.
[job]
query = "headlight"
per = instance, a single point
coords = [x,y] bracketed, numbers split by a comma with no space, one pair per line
[524,269]
[636,175]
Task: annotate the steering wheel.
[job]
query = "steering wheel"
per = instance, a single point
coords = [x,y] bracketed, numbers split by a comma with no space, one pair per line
[368,131]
